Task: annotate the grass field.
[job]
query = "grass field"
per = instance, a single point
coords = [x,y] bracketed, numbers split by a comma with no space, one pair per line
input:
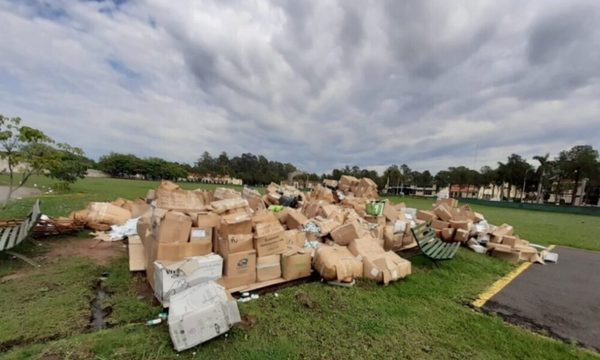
[45,312]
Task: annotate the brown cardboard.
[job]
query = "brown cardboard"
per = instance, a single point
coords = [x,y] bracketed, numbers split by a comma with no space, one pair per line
[512,256]
[346,182]
[179,200]
[325,225]
[385,267]
[364,246]
[268,267]
[390,213]
[461,235]
[221,206]
[500,247]
[337,263]
[202,236]
[240,264]
[235,224]
[174,227]
[451,203]
[263,216]
[448,234]
[295,238]
[392,241]
[208,219]
[295,219]
[235,243]
[461,224]
[107,213]
[295,263]
[344,234]
[439,224]
[478,217]
[269,239]
[137,254]
[443,213]
[509,240]
[425,215]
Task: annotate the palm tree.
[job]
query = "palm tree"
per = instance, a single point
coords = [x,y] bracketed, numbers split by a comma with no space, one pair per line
[543,160]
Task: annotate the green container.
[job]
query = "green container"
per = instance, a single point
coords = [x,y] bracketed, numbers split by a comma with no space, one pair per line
[375,208]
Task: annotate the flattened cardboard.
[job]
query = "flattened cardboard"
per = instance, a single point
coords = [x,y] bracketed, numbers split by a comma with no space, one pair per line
[295,219]
[425,215]
[337,263]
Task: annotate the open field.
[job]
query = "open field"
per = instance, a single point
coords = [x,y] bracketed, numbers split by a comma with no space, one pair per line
[46,311]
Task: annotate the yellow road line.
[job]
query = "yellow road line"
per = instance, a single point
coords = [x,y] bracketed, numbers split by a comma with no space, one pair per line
[501,284]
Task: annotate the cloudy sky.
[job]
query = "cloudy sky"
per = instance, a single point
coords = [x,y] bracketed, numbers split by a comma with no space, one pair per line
[318,83]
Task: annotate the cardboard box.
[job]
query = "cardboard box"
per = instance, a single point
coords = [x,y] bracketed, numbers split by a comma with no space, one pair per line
[221,206]
[207,220]
[180,200]
[461,235]
[295,219]
[337,263]
[201,313]
[240,266]
[379,230]
[137,254]
[268,267]
[234,224]
[510,255]
[346,182]
[173,227]
[386,267]
[269,239]
[452,203]
[202,236]
[442,212]
[425,215]
[264,216]
[391,240]
[390,213]
[295,238]
[439,224]
[461,224]
[296,263]
[448,234]
[364,246]
[107,213]
[235,243]
[173,277]
[500,247]
[344,234]
[509,240]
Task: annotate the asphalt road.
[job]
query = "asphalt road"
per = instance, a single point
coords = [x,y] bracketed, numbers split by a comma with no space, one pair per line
[21,192]
[561,299]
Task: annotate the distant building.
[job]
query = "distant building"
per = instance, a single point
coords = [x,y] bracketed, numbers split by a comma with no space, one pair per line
[214,179]
[410,190]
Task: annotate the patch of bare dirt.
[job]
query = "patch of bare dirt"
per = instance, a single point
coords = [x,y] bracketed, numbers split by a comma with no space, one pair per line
[102,252]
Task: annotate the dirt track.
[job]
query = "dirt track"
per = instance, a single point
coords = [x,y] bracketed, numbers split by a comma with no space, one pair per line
[21,192]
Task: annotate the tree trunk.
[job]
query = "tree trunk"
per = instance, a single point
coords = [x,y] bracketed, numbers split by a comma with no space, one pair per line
[539,189]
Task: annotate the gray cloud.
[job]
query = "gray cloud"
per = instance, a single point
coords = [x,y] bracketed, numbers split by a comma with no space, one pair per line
[320,84]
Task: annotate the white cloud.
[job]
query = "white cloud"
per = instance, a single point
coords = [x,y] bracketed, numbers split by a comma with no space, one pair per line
[320,84]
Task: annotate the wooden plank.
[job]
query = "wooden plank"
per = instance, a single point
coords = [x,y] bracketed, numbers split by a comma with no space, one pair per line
[434,249]
[256,286]
[437,253]
[447,253]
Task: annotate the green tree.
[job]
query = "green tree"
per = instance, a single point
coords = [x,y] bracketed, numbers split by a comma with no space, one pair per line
[28,151]
[579,162]
[121,165]
[541,171]
[68,165]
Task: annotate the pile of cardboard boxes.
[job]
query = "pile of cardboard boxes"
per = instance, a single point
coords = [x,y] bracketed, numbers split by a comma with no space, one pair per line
[455,223]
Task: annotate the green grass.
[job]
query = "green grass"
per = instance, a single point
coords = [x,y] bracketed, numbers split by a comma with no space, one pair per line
[423,316]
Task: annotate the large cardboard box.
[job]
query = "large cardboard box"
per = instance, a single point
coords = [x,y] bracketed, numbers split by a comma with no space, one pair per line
[425,215]
[202,236]
[337,263]
[173,227]
[439,224]
[510,255]
[344,234]
[377,231]
[173,277]
[451,203]
[221,206]
[263,216]
[107,213]
[461,224]
[235,243]
[239,269]
[234,224]
[268,267]
[364,246]
[201,313]
[346,182]
[269,239]
[295,238]
[180,200]
[295,219]
[137,254]
[461,235]
[386,267]
[448,234]
[390,212]
[296,263]
[442,212]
